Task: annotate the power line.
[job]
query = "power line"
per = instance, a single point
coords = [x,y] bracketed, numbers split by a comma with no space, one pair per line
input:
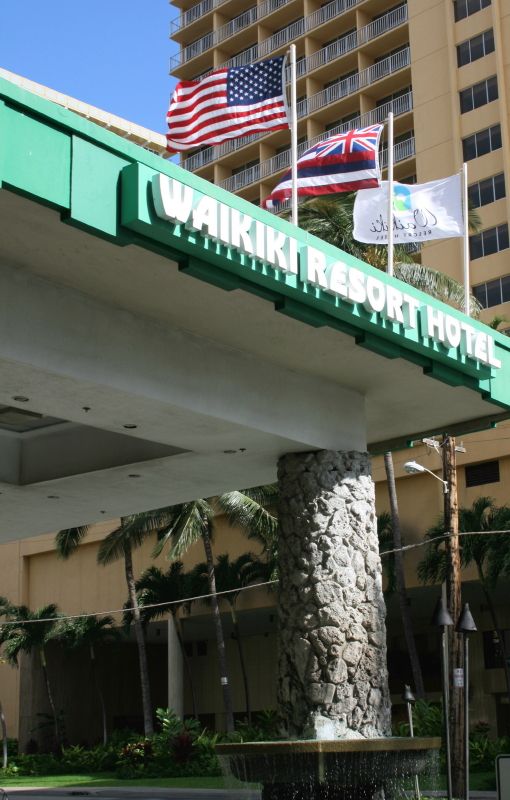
[241,589]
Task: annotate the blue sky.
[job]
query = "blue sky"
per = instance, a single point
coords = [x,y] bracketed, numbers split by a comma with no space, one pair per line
[110,53]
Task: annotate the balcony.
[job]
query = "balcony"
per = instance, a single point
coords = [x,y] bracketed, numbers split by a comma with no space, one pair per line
[352,41]
[280,39]
[281,161]
[354,83]
[399,106]
[401,151]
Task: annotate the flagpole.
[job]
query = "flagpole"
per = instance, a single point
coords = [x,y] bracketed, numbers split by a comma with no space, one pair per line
[293,133]
[389,269]
[465,206]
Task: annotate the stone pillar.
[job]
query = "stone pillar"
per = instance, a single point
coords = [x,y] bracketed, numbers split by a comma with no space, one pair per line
[175,672]
[332,673]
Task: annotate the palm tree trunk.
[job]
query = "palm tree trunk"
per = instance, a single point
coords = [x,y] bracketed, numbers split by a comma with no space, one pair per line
[237,633]
[50,696]
[101,698]
[188,665]
[227,700]
[401,584]
[140,640]
[495,622]
[4,737]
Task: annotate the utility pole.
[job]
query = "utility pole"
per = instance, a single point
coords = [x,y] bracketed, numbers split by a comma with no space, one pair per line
[454,604]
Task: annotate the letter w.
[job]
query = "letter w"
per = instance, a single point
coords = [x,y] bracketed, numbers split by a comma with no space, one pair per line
[172,199]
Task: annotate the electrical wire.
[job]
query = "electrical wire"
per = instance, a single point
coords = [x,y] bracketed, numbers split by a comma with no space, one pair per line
[241,589]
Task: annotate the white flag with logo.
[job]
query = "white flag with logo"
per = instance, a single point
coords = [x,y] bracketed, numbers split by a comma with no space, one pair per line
[421,212]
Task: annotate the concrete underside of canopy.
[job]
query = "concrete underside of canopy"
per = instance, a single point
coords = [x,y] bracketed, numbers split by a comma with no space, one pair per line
[122,332]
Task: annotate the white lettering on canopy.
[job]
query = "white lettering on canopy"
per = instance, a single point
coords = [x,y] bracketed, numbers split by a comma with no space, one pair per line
[179,204]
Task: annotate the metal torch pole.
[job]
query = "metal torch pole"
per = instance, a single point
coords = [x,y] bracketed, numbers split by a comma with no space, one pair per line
[446,709]
[465,206]
[466,713]
[293,133]
[411,733]
[390,193]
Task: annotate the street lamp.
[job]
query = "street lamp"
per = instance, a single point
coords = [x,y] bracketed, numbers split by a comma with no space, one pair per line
[466,625]
[412,467]
[409,699]
[442,619]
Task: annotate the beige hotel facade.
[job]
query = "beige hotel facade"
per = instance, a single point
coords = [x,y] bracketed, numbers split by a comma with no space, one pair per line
[442,67]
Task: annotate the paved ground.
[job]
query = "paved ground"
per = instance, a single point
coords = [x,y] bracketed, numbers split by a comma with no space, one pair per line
[128,793]
[147,793]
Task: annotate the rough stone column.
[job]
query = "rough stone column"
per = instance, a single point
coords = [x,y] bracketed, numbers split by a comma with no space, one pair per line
[332,673]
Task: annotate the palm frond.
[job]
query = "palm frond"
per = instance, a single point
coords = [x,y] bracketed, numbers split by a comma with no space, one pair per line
[68,540]
[113,547]
[437,285]
[241,511]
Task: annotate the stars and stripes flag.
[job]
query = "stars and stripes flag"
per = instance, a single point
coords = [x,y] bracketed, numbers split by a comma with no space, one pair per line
[228,104]
[343,163]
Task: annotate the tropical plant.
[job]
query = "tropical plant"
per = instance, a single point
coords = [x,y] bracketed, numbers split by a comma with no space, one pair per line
[231,578]
[4,731]
[496,321]
[490,555]
[88,632]
[155,587]
[330,218]
[31,630]
[264,729]
[385,537]
[119,544]
[196,520]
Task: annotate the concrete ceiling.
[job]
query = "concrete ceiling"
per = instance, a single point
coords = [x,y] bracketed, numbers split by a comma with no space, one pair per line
[100,337]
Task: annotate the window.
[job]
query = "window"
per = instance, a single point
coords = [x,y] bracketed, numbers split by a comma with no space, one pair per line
[480,474]
[481,143]
[409,179]
[488,242]
[394,96]
[488,191]
[391,53]
[188,648]
[248,165]
[464,8]
[479,95]
[492,655]
[388,10]
[475,48]
[336,124]
[493,293]
[337,38]
[341,78]
[201,648]
[255,202]
[286,147]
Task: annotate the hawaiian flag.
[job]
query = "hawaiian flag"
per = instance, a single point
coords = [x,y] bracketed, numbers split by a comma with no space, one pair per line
[343,163]
[228,104]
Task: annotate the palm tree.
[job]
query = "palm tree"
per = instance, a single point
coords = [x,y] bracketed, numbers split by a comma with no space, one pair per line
[490,554]
[173,587]
[4,731]
[196,520]
[400,579]
[120,543]
[385,537]
[496,321]
[330,219]
[32,629]
[231,578]
[89,632]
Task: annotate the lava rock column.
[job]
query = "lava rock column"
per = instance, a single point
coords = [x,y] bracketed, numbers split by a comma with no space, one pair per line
[332,672]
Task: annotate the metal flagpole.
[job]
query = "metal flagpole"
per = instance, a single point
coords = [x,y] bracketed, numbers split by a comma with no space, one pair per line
[293,133]
[465,206]
[389,268]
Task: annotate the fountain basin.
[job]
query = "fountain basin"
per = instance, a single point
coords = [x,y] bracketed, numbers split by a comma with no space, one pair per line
[321,770]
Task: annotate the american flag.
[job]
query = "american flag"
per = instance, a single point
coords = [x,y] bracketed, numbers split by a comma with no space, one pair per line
[343,163]
[228,104]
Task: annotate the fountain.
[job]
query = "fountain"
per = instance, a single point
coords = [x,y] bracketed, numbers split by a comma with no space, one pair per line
[333,697]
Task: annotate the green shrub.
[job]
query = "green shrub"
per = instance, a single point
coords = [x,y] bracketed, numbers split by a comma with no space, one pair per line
[264,729]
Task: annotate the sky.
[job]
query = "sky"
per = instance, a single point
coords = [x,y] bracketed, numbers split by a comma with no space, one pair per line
[112,54]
